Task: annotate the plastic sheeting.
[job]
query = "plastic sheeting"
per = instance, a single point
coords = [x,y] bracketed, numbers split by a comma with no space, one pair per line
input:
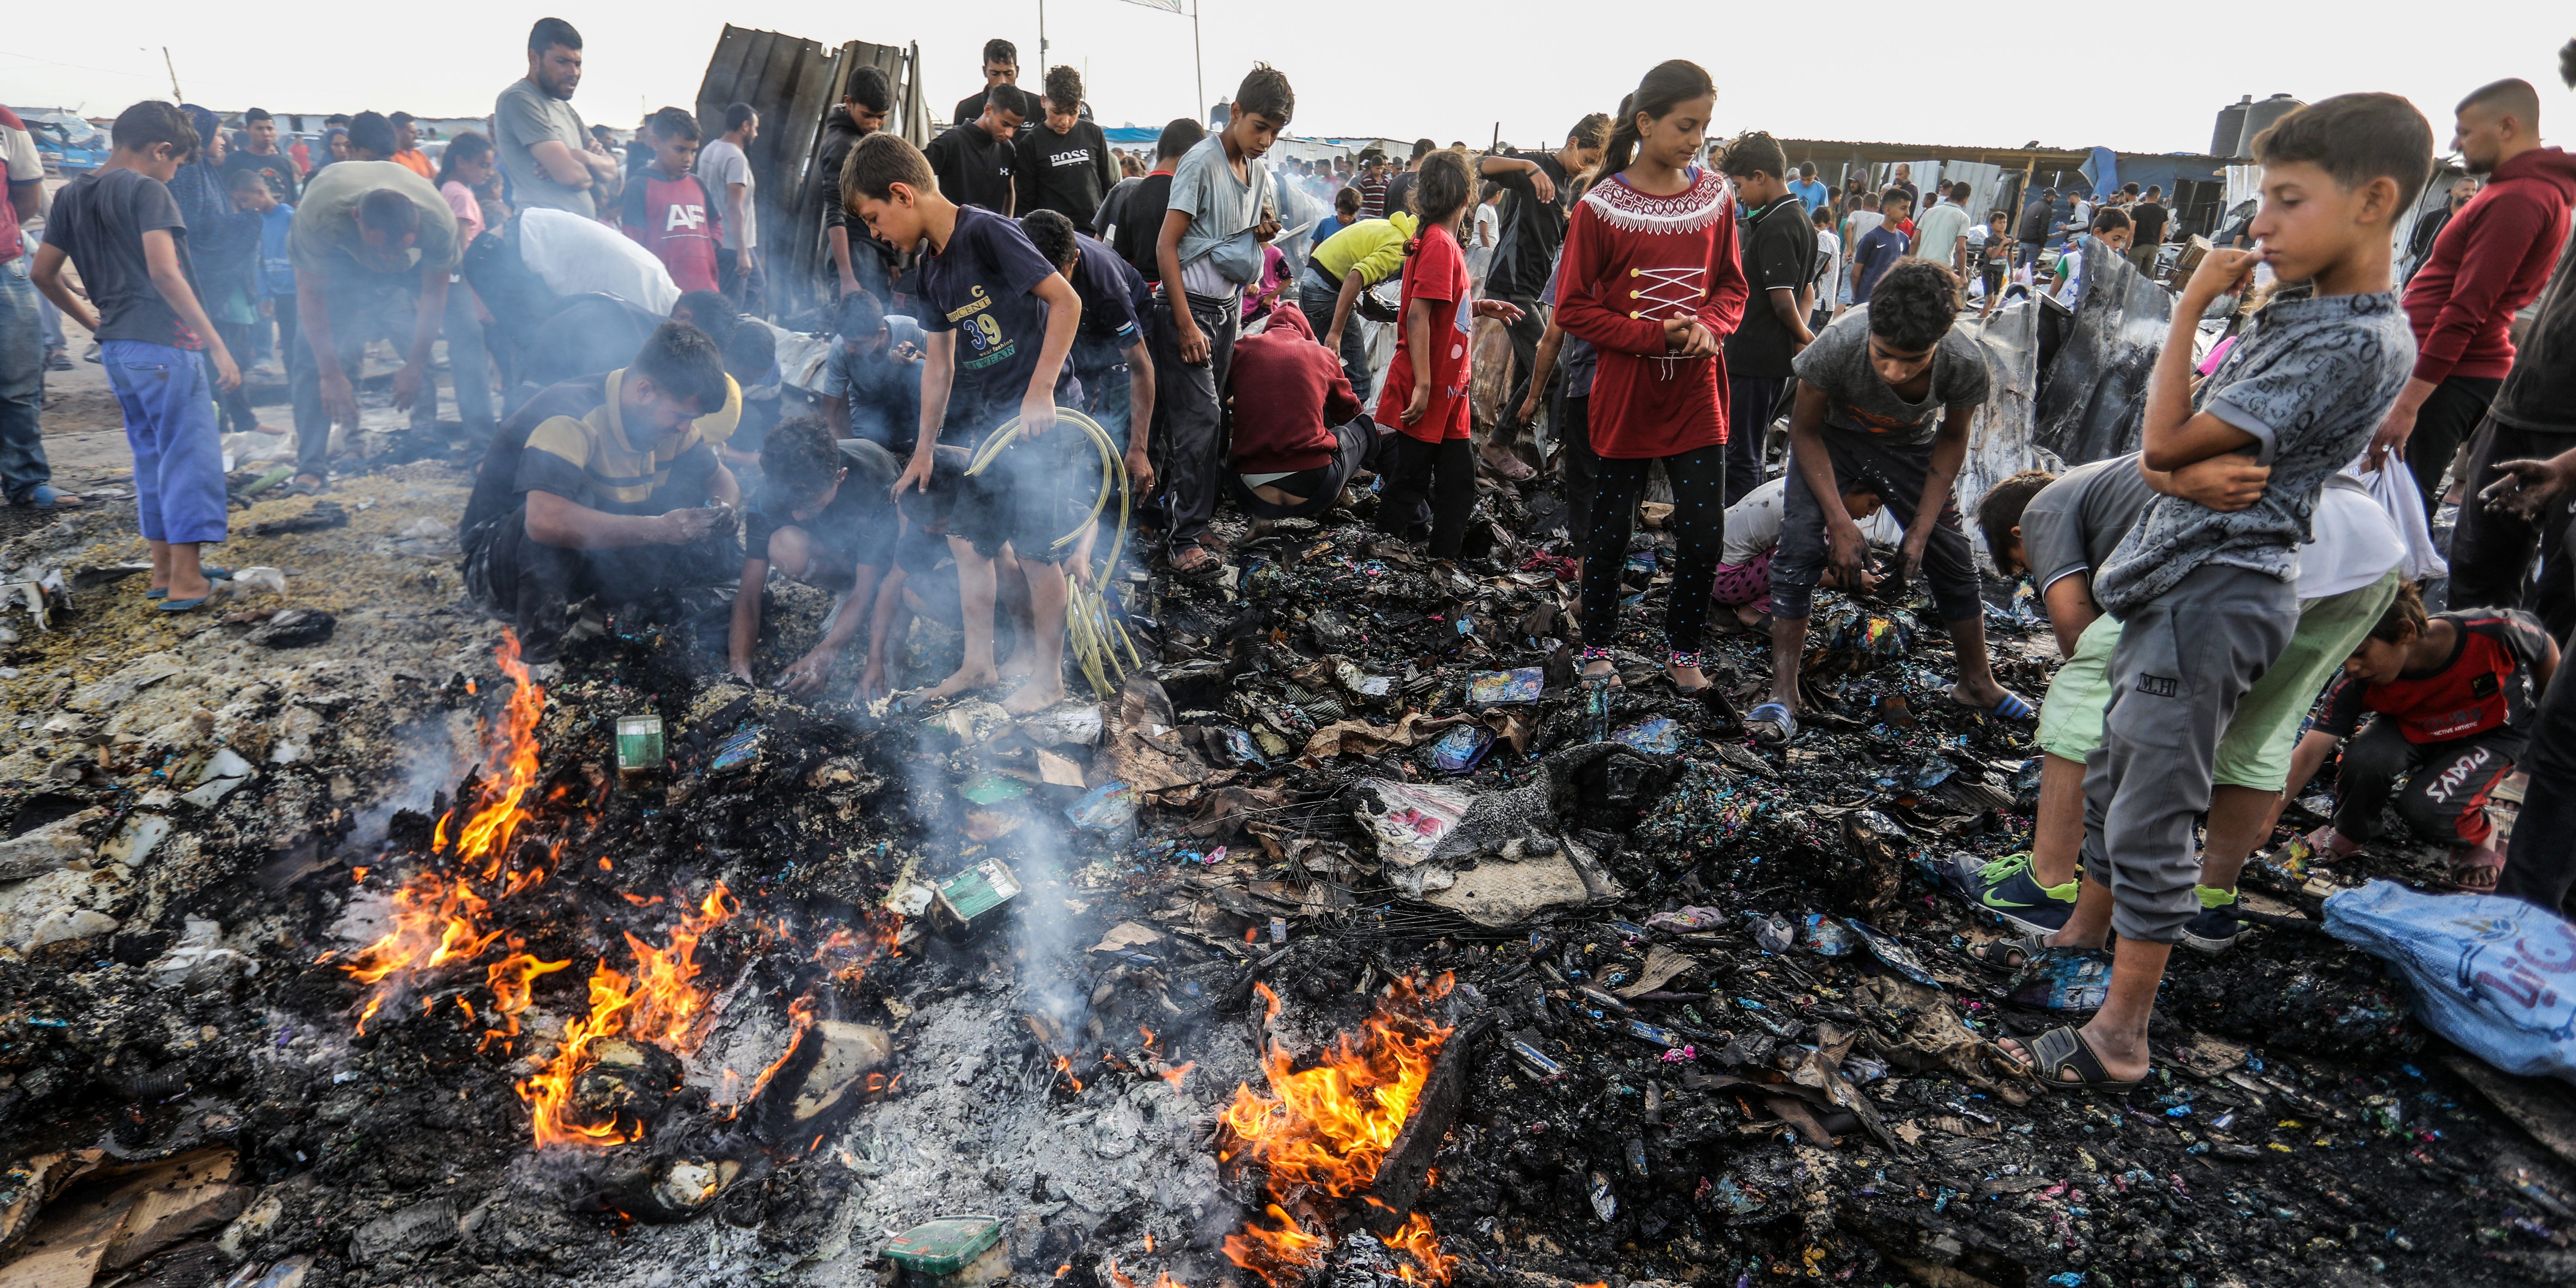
[2000,444]
[2091,405]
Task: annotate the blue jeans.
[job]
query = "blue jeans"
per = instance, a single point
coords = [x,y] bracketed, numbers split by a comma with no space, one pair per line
[22,382]
[170,423]
[1316,297]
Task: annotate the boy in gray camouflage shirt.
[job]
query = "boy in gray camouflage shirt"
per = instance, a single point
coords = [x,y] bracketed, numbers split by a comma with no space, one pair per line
[2207,600]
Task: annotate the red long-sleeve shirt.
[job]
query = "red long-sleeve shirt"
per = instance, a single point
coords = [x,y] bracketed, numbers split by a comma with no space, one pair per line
[1289,392]
[1632,260]
[2489,261]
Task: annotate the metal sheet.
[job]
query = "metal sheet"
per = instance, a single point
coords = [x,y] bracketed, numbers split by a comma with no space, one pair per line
[2095,392]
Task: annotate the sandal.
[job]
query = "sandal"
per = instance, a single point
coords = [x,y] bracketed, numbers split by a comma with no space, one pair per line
[2476,869]
[44,496]
[1193,562]
[1992,953]
[2063,1050]
[2013,707]
[211,573]
[1773,724]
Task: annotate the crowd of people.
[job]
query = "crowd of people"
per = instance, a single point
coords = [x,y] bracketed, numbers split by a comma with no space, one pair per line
[1662,297]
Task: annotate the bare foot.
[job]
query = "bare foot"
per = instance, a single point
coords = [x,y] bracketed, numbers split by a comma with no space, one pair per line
[965,678]
[2123,1056]
[1035,696]
[184,591]
[1982,697]
[1019,666]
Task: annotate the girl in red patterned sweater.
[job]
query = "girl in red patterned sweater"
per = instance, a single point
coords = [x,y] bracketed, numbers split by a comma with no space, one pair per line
[1650,277]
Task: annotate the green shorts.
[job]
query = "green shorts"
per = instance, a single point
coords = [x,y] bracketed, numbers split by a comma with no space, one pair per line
[2255,752]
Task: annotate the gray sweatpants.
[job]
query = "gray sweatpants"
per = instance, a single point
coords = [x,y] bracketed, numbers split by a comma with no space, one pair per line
[2184,661]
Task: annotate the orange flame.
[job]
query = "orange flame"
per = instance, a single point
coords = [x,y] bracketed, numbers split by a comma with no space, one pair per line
[1326,1129]
[660,1004]
[1415,1239]
[800,1014]
[513,983]
[510,763]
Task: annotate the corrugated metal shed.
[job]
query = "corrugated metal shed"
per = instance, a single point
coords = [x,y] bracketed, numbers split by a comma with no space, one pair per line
[793,82]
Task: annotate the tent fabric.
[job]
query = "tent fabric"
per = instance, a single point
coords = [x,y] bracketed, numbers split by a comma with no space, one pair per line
[2093,402]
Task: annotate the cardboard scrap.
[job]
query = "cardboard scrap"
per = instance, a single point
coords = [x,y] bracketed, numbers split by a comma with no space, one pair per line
[1349,737]
[1662,964]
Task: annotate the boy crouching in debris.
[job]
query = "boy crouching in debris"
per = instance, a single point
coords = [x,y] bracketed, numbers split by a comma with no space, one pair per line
[602,486]
[1001,321]
[2206,600]
[825,515]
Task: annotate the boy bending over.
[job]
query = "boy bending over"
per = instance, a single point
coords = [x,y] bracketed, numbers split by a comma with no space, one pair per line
[826,517]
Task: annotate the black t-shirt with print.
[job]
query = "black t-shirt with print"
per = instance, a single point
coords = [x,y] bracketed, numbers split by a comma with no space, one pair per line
[1778,247]
[1533,230]
[973,167]
[1067,173]
[981,287]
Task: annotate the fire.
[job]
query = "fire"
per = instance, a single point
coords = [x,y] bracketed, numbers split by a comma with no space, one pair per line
[660,1003]
[510,768]
[513,983]
[1415,1239]
[434,924]
[800,1015]
[1326,1129]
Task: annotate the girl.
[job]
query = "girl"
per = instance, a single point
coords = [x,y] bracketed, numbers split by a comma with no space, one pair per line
[467,166]
[1650,277]
[1426,384]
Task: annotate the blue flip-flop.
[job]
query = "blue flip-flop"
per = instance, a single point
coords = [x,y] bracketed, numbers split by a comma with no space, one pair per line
[45,496]
[211,574]
[1779,717]
[185,605]
[2013,707]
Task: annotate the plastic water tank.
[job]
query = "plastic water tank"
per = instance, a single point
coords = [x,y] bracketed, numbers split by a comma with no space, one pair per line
[2260,117]
[2229,135]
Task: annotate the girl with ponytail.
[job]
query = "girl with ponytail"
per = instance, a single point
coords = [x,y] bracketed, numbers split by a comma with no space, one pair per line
[1650,277]
[1425,398]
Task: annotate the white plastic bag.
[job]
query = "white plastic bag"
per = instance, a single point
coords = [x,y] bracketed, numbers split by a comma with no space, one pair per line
[2495,975]
[2393,486]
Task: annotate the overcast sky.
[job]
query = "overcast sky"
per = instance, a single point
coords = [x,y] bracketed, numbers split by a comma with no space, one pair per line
[1864,70]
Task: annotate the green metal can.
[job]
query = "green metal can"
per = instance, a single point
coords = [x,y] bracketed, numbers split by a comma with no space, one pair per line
[639,745]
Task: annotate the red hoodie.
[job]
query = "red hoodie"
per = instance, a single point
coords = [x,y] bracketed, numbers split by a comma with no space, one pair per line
[2489,261]
[1289,391]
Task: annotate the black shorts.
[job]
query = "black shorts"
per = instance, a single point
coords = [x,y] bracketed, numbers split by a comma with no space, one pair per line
[1033,496]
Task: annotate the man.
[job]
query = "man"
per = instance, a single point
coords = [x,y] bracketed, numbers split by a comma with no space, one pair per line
[24,473]
[2428,228]
[1905,180]
[2147,220]
[1064,163]
[1372,184]
[2032,231]
[1140,216]
[862,111]
[1778,246]
[1399,190]
[372,245]
[1811,194]
[262,155]
[602,486]
[973,160]
[1534,218]
[544,148]
[1941,235]
[1343,267]
[372,138]
[2491,260]
[1001,67]
[407,153]
[725,168]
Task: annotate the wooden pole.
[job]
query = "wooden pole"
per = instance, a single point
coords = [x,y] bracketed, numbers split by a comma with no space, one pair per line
[175,91]
[1198,59]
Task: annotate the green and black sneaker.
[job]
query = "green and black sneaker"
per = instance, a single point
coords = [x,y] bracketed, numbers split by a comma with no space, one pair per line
[2217,926]
[2007,889]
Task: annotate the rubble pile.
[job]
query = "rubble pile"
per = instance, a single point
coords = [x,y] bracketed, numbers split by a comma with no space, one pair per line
[1333,945]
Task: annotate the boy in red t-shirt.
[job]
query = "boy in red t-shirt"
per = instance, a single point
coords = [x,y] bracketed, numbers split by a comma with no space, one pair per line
[2454,693]
[1426,384]
[667,212]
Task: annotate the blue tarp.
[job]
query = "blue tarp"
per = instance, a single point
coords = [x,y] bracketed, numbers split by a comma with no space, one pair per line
[1132,134]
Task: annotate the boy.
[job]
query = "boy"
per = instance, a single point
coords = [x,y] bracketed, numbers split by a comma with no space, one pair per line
[824,517]
[1993,256]
[973,159]
[121,227]
[2057,530]
[1064,163]
[1109,353]
[1883,245]
[1829,269]
[2205,598]
[1220,191]
[1753,537]
[1001,321]
[666,211]
[1889,389]
[1777,245]
[2111,231]
[872,380]
[275,279]
[2454,693]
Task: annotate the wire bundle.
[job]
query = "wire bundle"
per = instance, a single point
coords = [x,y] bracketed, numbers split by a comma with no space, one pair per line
[1091,628]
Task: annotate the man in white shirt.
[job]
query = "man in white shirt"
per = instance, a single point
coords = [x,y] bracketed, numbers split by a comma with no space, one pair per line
[1941,235]
[725,171]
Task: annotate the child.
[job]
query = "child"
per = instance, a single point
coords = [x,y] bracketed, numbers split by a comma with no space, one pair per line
[466,165]
[1753,536]
[2454,693]
[1857,223]
[1484,232]
[1883,245]
[668,212]
[120,226]
[1994,256]
[989,293]
[275,280]
[1650,277]
[816,523]
[872,379]
[1889,389]
[1426,383]
[2205,599]
[2110,229]
[1829,269]
[2057,530]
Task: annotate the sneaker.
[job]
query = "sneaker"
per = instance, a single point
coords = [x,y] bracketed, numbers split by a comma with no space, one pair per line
[2007,889]
[2217,927]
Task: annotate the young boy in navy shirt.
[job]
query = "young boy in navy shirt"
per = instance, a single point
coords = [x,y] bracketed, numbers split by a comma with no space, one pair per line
[1001,321]
[2207,600]
[666,211]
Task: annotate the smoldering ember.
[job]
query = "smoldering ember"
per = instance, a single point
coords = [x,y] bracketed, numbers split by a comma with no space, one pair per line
[515,868]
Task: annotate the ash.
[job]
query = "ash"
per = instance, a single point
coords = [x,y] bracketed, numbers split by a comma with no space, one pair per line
[1704,1012]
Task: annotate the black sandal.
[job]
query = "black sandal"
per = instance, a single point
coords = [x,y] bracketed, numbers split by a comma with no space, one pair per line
[2063,1049]
[1989,953]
